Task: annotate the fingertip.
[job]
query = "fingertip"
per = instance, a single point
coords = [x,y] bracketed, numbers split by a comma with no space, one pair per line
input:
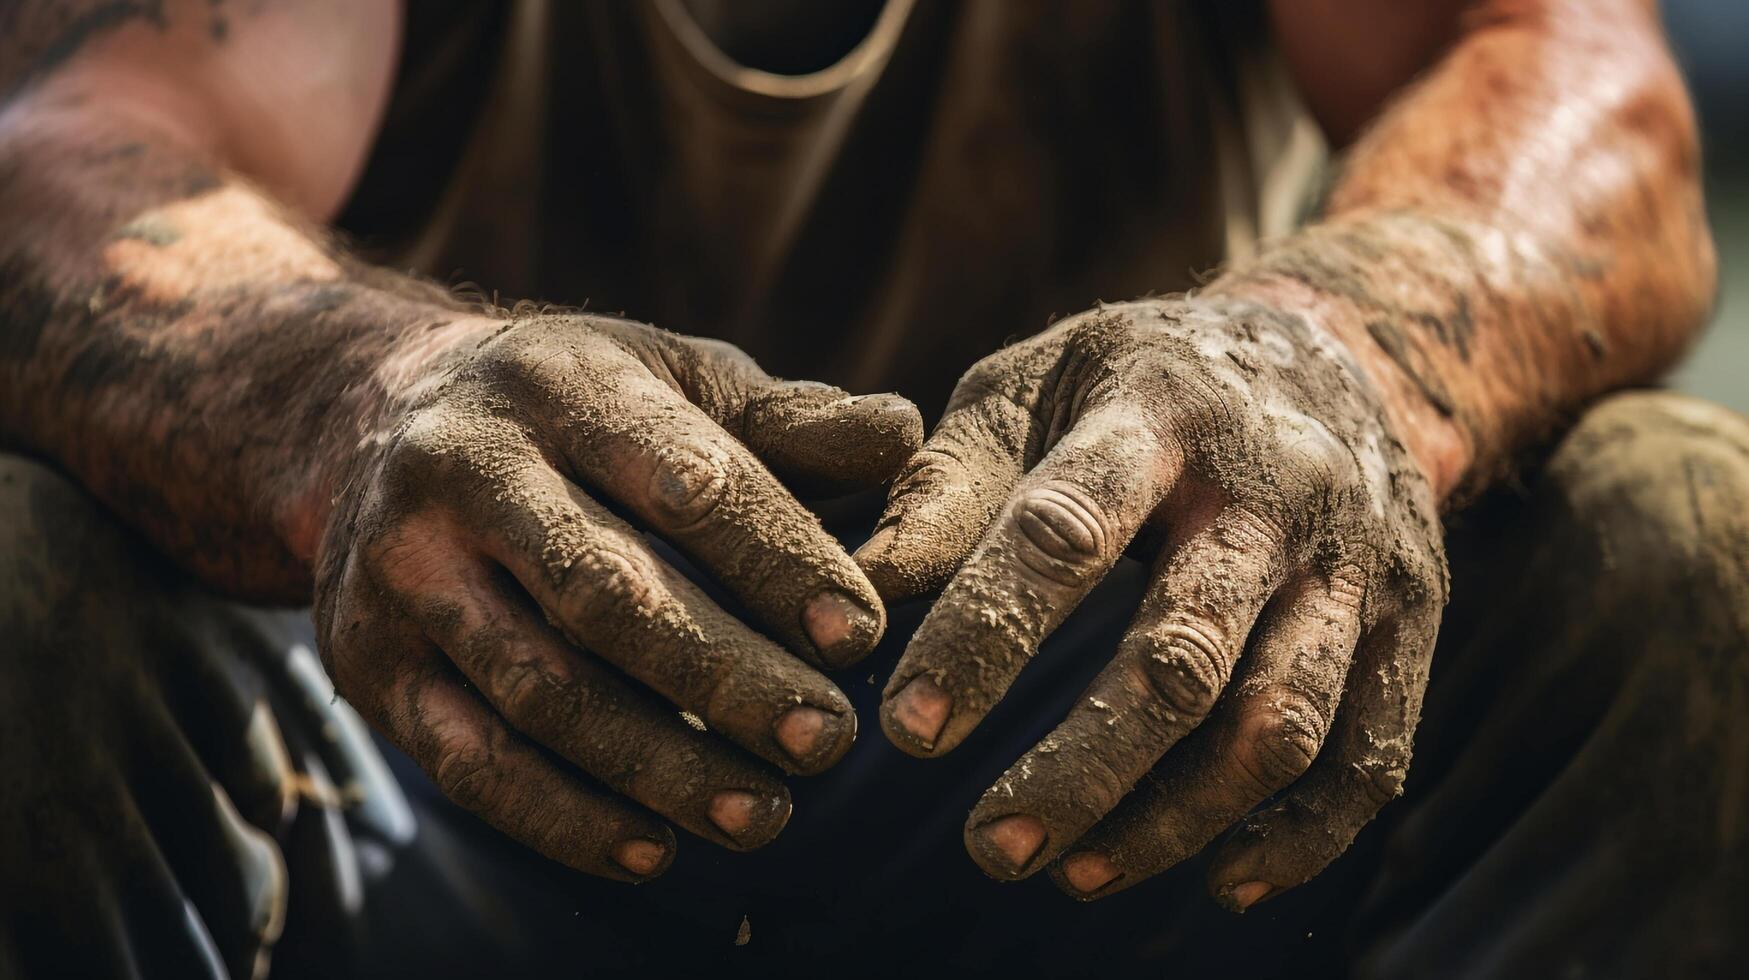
[899,572]
[643,858]
[893,424]
[748,819]
[820,433]
[1086,875]
[1007,847]
[933,519]
[1240,864]
[874,550]
[815,738]
[842,629]
[913,718]
[1242,895]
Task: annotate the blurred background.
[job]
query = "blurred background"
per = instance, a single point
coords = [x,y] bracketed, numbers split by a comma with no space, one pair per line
[1711,38]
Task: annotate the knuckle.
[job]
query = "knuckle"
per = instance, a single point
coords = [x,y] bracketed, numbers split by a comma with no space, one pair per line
[1104,785]
[555,826]
[1318,461]
[687,486]
[1280,740]
[1064,535]
[1102,332]
[1422,584]
[504,363]
[1251,534]
[470,779]
[1186,668]
[722,354]
[991,374]
[450,455]
[602,585]
[1096,778]
[397,555]
[1346,592]
[540,357]
[935,465]
[426,449]
[531,694]
[509,360]
[1381,780]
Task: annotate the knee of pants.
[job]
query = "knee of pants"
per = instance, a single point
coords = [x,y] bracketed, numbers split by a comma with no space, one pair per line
[58,544]
[1653,488]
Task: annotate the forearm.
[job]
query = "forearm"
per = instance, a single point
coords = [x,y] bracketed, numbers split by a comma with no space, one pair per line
[1522,231]
[201,362]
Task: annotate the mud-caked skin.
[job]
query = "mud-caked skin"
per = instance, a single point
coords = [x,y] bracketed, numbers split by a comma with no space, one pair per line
[1297,547]
[453,483]
[476,546]
[1517,232]
[1482,268]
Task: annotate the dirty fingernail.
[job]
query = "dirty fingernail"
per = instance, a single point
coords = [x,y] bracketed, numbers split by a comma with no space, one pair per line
[749,818]
[640,857]
[885,402]
[921,709]
[800,732]
[1248,894]
[1089,871]
[840,628]
[1015,838]
[877,543]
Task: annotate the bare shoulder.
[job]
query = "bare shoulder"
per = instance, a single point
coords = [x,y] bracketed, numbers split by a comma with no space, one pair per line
[286,92]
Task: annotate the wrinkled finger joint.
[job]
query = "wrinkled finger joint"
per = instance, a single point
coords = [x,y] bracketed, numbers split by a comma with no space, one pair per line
[471,777]
[1280,749]
[537,698]
[1187,668]
[1380,779]
[1065,536]
[687,487]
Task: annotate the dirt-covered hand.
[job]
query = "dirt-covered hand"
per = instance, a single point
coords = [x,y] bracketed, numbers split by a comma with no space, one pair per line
[1281,652]
[484,597]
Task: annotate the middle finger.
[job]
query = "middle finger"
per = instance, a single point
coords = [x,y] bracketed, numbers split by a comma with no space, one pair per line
[1061,530]
[599,581]
[1167,673]
[705,492]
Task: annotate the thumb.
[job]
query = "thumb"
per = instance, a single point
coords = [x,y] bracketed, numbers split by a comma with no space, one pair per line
[821,439]
[948,496]
[817,438]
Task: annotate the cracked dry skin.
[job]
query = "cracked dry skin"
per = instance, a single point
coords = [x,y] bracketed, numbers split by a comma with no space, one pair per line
[488,493]
[1298,580]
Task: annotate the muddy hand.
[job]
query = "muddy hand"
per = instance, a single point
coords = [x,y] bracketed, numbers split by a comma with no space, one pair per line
[485,599]
[1283,643]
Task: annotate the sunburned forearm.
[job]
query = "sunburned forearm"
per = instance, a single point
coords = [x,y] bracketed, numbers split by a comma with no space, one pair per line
[194,356]
[1521,232]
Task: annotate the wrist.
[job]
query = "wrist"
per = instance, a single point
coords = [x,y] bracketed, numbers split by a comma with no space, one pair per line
[363,419]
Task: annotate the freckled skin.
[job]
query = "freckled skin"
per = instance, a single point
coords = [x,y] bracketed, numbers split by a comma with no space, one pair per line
[1519,231]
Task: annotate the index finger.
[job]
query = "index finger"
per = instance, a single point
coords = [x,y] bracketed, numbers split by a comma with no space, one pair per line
[1062,529]
[699,488]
